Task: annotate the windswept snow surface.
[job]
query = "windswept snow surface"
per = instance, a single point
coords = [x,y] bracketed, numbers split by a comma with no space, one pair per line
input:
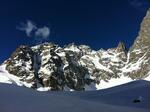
[116,99]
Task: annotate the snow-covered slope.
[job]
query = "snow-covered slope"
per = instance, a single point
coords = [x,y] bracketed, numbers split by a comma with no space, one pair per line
[117,99]
[8,78]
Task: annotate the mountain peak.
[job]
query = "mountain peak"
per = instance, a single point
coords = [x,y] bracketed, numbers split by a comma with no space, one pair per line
[74,67]
[143,39]
[121,47]
[139,53]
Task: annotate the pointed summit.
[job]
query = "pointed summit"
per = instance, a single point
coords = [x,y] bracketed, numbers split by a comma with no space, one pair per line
[139,53]
[143,39]
[121,47]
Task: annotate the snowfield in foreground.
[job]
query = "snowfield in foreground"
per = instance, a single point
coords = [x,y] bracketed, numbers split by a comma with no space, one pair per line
[119,97]
[116,99]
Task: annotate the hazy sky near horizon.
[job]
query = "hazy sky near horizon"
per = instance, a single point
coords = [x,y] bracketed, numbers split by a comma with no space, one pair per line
[97,23]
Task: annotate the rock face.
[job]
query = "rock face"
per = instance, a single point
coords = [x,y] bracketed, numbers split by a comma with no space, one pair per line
[77,67]
[138,64]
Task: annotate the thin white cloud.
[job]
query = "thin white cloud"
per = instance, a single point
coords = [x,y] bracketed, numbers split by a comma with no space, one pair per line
[28,27]
[38,33]
[43,32]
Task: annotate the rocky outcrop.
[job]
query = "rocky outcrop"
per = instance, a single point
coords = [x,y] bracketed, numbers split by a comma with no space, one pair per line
[138,64]
[21,64]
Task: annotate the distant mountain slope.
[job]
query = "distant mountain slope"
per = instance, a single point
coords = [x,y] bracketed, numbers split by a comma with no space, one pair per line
[118,99]
[50,67]
[6,77]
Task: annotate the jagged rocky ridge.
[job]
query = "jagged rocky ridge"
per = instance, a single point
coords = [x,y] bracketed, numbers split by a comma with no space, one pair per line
[74,67]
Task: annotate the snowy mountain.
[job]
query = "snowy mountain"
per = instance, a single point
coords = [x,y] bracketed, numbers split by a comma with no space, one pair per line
[50,67]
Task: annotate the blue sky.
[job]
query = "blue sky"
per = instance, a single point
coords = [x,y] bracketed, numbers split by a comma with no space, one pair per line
[97,23]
